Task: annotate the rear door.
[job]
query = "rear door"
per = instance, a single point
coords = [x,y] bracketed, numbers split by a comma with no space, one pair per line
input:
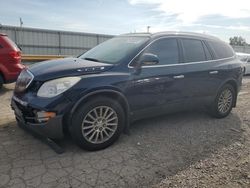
[197,58]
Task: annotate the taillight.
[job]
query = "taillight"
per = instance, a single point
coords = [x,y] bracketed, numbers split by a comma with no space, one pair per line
[15,55]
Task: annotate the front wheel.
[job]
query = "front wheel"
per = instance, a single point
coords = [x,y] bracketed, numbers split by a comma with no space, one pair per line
[224,101]
[98,123]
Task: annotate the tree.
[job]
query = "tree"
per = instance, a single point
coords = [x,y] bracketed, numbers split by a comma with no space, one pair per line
[237,41]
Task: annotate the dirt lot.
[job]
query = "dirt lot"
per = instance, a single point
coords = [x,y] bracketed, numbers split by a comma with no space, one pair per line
[181,150]
[228,166]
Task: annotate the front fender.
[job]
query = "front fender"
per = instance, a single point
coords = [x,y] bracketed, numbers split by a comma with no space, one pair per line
[105,90]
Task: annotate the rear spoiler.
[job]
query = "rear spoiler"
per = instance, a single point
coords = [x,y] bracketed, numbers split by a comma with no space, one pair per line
[3,34]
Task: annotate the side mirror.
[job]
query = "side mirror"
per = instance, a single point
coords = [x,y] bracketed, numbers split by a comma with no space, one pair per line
[148,59]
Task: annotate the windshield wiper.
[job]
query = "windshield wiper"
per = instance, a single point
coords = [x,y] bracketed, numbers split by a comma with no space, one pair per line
[91,59]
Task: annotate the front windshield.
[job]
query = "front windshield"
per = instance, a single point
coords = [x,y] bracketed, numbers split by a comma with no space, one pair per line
[114,50]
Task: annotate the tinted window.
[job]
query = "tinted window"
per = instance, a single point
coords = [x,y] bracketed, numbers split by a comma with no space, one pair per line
[221,50]
[166,50]
[193,50]
[207,52]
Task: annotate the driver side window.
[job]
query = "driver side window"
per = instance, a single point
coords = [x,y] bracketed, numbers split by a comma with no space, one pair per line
[166,50]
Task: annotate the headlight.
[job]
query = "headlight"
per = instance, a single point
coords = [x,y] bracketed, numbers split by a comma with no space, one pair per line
[55,87]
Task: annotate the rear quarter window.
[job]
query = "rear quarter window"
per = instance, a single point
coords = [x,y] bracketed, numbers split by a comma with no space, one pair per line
[221,50]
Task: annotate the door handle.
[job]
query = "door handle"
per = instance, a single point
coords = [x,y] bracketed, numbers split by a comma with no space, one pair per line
[213,72]
[178,76]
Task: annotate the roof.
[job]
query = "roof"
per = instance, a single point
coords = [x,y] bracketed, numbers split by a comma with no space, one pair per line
[138,34]
[173,33]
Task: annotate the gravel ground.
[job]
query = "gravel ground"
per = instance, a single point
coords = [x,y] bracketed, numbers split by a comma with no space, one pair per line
[179,150]
[228,167]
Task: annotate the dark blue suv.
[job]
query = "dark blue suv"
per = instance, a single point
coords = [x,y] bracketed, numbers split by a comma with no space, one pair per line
[97,95]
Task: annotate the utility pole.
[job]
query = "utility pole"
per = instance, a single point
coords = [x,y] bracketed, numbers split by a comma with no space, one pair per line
[21,32]
[148,27]
[21,22]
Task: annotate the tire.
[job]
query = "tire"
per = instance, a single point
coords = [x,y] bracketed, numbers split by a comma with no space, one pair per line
[86,123]
[223,103]
[244,71]
[1,81]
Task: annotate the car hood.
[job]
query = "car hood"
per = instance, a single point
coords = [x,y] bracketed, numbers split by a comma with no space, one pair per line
[52,69]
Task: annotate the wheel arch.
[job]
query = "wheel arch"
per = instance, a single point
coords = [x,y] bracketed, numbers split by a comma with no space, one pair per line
[234,84]
[113,94]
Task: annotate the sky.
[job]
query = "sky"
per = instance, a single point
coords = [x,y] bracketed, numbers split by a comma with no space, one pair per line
[221,18]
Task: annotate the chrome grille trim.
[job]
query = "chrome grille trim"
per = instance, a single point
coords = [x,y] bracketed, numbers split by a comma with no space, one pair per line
[20,101]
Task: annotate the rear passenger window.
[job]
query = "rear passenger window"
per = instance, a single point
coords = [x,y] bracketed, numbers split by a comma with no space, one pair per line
[166,50]
[193,50]
[221,50]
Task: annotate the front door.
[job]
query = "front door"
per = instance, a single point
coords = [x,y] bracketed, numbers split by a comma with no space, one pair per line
[162,85]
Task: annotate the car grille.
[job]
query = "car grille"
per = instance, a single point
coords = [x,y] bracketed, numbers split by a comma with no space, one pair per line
[24,80]
[26,113]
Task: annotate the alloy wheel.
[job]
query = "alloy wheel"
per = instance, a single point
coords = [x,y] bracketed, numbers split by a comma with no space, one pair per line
[100,124]
[225,101]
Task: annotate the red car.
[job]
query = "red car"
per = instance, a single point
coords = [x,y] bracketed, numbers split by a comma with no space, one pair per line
[10,60]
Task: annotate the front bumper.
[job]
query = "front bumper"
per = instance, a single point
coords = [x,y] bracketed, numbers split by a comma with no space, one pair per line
[24,115]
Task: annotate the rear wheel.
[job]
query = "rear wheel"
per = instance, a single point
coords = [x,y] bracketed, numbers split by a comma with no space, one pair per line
[224,101]
[98,123]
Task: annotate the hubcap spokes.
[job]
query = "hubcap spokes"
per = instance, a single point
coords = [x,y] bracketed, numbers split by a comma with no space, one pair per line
[225,101]
[99,124]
